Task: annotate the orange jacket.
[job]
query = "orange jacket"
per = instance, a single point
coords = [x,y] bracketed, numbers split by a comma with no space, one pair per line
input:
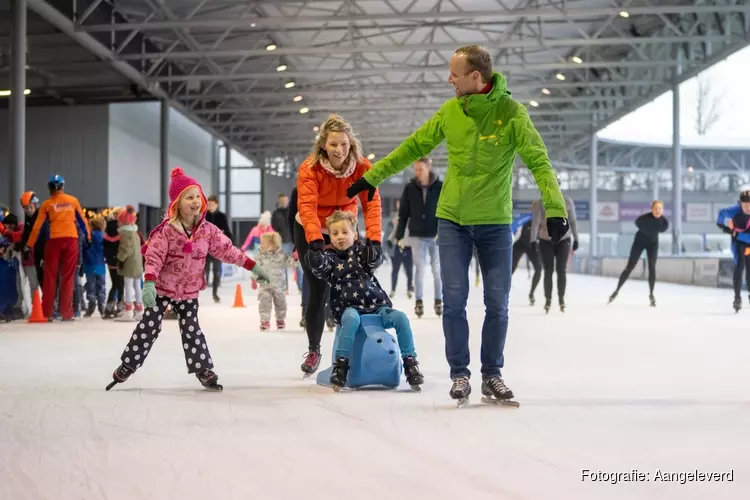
[319,194]
[64,214]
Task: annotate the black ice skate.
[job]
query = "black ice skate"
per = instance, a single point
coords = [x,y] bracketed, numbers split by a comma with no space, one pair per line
[339,373]
[612,298]
[532,301]
[494,391]
[90,310]
[209,380]
[120,375]
[392,294]
[737,304]
[110,311]
[652,300]
[330,323]
[547,305]
[413,376]
[461,390]
[419,308]
[216,299]
[409,294]
[312,362]
[562,304]
[438,307]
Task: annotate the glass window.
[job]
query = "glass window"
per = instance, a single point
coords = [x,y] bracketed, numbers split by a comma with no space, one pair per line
[245,206]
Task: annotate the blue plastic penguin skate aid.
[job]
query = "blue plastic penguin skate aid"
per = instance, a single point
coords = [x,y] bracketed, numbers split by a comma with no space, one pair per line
[375,359]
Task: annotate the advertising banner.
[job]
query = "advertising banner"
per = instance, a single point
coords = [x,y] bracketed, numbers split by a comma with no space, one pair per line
[699,212]
[608,211]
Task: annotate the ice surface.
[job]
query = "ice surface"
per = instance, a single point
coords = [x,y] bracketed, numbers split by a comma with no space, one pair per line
[610,388]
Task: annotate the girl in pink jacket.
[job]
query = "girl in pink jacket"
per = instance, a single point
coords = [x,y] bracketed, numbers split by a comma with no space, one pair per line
[175,261]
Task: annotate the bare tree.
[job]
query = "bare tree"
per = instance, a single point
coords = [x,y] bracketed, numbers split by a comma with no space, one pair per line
[708,110]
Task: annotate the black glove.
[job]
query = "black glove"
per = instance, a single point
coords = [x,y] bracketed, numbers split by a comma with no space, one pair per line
[373,252]
[360,185]
[575,245]
[724,228]
[314,259]
[556,228]
[316,246]
[18,247]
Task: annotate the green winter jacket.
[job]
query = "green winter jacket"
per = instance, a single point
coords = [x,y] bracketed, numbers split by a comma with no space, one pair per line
[129,252]
[483,134]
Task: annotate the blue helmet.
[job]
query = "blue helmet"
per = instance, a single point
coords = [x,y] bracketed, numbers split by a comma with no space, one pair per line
[56,182]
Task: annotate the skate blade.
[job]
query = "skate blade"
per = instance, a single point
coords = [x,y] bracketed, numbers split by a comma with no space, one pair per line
[416,388]
[306,375]
[500,402]
[214,388]
[462,402]
[111,385]
[336,388]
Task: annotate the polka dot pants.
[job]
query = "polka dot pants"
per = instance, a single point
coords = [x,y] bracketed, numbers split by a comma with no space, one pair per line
[147,331]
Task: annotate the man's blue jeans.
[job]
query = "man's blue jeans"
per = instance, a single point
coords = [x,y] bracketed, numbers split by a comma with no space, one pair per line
[494,244]
[392,318]
[422,248]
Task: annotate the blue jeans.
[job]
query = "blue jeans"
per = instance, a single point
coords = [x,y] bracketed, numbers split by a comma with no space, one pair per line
[96,289]
[494,244]
[391,319]
[421,248]
[287,248]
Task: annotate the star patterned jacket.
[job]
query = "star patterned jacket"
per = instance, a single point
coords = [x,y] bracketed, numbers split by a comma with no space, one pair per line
[353,283]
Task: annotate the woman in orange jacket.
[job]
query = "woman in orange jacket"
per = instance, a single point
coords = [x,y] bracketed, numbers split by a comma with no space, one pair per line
[335,163]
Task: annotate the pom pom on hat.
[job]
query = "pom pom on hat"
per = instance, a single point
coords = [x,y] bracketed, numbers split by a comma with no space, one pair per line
[175,172]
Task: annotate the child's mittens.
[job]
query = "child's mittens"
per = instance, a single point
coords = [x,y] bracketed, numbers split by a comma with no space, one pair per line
[260,275]
[149,294]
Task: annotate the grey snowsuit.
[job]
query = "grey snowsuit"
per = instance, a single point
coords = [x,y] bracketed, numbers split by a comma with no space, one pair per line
[272,295]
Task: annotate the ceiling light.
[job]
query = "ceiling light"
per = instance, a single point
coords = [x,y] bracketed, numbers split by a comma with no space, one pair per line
[560,76]
[6,93]
[270,47]
[371,156]
[546,92]
[281,68]
[533,103]
[624,14]
[252,25]
[316,128]
[289,85]
[576,59]
[304,110]
[297,98]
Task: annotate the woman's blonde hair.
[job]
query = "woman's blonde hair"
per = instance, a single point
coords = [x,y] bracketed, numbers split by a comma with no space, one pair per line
[340,216]
[656,202]
[174,215]
[273,238]
[335,123]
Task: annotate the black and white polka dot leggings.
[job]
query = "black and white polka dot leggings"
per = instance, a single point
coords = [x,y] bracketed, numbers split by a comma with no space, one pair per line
[147,331]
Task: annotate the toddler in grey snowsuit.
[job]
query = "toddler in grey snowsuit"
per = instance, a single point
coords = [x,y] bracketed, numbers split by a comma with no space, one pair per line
[272,295]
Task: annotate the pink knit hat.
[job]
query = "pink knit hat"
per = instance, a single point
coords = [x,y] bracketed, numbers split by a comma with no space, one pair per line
[179,184]
[128,216]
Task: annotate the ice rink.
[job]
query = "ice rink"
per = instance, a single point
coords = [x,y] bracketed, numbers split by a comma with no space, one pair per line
[605,388]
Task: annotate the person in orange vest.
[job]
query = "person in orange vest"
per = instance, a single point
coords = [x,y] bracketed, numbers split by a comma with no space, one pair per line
[66,220]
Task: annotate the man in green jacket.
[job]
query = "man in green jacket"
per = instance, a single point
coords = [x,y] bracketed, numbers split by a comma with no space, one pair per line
[484,129]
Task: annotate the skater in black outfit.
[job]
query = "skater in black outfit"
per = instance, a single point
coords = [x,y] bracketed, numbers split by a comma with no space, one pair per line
[523,247]
[650,225]
[554,255]
[213,265]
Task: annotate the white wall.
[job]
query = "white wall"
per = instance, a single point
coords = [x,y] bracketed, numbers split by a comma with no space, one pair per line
[134,152]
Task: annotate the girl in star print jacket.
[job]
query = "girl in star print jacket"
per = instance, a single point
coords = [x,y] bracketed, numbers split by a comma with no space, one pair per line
[175,261]
[349,268]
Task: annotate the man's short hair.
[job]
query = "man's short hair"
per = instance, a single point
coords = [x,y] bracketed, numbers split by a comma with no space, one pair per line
[214,198]
[283,195]
[478,59]
[426,160]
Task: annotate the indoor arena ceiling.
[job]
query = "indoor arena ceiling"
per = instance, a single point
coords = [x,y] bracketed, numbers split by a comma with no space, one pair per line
[263,73]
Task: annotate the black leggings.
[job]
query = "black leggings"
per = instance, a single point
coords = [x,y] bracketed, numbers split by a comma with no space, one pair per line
[402,257]
[743,264]
[554,259]
[315,313]
[652,252]
[118,286]
[520,248]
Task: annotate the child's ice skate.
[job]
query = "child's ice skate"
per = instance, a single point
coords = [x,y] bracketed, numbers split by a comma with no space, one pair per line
[737,304]
[209,380]
[413,376]
[138,312]
[419,308]
[331,323]
[127,315]
[547,305]
[409,294]
[280,324]
[311,363]
[110,311]
[532,301]
[265,326]
[338,373]
[612,298]
[90,310]
[438,307]
[120,375]
[494,391]
[562,304]
[461,390]
[652,300]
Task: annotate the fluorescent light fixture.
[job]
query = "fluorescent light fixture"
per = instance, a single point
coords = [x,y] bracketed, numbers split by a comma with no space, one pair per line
[297,98]
[281,68]
[253,25]
[289,84]
[6,93]
[316,128]
[546,92]
[270,47]
[576,59]
[371,156]
[533,103]
[560,76]
[304,110]
[624,14]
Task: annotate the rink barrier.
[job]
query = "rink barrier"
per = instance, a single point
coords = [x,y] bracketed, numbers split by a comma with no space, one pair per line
[699,271]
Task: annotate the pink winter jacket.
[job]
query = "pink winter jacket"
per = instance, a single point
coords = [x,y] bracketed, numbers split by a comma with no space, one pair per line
[179,275]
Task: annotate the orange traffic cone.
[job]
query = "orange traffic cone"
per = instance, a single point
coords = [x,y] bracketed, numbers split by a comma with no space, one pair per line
[37,316]
[238,302]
